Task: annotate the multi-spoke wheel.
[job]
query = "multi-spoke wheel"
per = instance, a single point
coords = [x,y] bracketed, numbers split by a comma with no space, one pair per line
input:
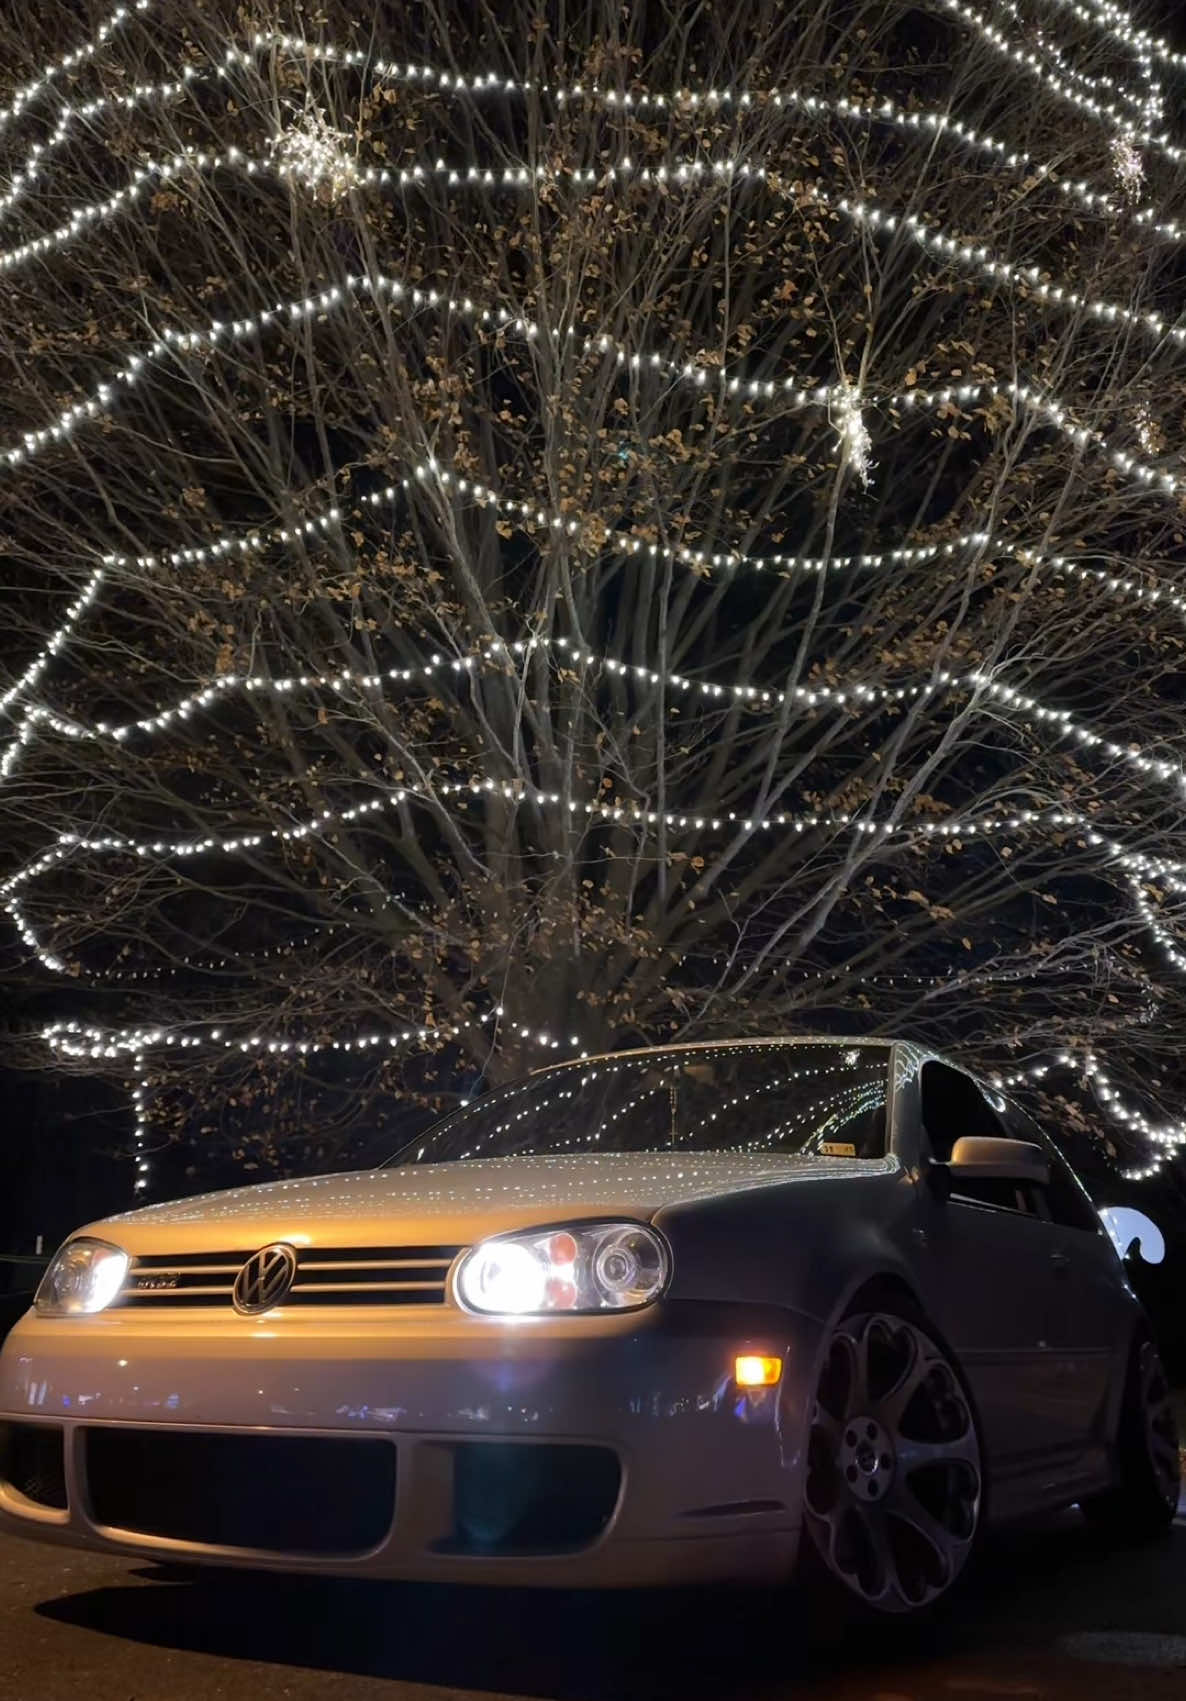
[893,1487]
[1148,1469]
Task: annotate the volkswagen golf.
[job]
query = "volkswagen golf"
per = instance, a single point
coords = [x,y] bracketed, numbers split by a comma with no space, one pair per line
[804,1309]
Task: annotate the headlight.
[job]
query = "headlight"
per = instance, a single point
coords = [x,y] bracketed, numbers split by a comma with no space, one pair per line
[83,1277]
[589,1267]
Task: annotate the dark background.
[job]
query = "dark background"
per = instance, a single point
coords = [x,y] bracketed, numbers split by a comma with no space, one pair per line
[63,1157]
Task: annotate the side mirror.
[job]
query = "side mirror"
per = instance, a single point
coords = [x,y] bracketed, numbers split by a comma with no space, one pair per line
[1132,1231]
[986,1158]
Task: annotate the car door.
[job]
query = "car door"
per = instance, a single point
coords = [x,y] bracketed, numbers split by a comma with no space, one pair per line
[989,1272]
[1091,1317]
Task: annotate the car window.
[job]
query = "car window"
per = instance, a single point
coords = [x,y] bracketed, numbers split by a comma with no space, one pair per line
[953,1106]
[862,1135]
[1066,1199]
[820,1097]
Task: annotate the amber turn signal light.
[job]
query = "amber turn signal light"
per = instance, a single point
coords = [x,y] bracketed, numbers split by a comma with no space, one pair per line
[752,1371]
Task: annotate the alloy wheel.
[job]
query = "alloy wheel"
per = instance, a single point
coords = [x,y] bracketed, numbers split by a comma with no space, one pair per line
[893,1485]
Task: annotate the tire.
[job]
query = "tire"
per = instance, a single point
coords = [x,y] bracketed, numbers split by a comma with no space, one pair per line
[1144,1497]
[893,1492]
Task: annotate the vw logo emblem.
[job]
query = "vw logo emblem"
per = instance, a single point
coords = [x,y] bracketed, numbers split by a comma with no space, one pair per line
[264,1280]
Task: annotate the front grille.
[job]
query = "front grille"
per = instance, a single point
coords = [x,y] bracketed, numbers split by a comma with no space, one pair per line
[354,1275]
[32,1459]
[280,1493]
[530,1497]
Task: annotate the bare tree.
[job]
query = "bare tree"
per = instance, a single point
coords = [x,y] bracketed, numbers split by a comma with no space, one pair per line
[574,528]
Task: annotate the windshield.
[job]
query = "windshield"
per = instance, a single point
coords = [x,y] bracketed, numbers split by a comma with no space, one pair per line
[821,1097]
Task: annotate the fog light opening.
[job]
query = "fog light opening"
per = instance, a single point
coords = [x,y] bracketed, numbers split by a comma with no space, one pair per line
[753,1370]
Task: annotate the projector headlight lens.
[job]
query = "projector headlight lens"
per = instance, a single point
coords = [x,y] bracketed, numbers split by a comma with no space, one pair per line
[585,1267]
[84,1277]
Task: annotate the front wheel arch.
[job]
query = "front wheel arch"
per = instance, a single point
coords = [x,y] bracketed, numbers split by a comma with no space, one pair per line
[886,1288]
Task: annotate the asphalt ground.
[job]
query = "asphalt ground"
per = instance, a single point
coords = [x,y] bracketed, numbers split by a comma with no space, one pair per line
[1051,1615]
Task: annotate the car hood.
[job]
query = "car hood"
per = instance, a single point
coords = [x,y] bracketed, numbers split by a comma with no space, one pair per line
[454,1203]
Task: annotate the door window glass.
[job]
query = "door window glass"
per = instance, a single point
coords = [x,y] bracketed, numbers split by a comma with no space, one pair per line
[953,1107]
[1066,1198]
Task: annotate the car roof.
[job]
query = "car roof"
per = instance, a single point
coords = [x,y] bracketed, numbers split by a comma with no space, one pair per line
[715,1045]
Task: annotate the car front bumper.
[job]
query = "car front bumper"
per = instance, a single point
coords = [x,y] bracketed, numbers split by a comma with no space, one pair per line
[706,1478]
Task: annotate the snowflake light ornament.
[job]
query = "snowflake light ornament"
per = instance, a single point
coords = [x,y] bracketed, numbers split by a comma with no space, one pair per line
[855,440]
[1128,166]
[314,155]
[1149,433]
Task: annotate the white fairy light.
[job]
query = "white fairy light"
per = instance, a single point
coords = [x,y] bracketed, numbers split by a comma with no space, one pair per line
[29,92]
[55,643]
[1033,64]
[869,215]
[1135,865]
[494,655]
[628,544]
[326,301]
[80,1040]
[855,441]
[22,181]
[314,155]
[319,171]
[1166,1138]
[1146,101]
[139,1114]
[531,515]
[1117,22]
[238,544]
[1064,725]
[939,123]
[1127,166]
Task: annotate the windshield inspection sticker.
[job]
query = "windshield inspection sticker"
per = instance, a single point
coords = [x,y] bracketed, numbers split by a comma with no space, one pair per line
[837,1149]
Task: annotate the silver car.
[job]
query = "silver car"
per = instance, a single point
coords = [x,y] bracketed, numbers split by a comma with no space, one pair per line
[762,1309]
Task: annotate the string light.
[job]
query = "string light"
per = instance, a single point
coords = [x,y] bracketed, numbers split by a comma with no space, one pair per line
[99,403]
[55,643]
[976,682]
[1134,864]
[623,543]
[1125,585]
[29,92]
[496,654]
[1033,65]
[28,174]
[183,709]
[79,1039]
[865,214]
[139,1114]
[714,99]
[1167,1138]
[870,216]
[1118,23]
[1148,103]
[628,544]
